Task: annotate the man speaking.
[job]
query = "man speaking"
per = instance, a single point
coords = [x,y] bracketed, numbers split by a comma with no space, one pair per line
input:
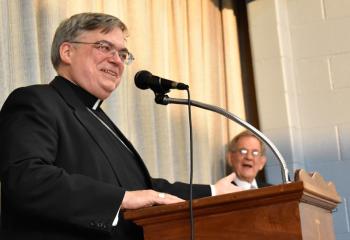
[66,170]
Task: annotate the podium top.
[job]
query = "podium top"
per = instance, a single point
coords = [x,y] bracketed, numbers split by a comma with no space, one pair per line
[308,188]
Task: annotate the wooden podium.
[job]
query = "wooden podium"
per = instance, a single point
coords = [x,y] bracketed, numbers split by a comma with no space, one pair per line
[298,210]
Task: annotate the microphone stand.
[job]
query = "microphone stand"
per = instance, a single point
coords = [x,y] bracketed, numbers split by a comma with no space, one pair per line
[165,100]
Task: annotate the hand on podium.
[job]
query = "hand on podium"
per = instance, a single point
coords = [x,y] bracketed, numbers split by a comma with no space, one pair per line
[224,185]
[147,198]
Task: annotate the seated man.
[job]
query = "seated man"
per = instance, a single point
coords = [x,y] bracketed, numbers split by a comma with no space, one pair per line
[246,156]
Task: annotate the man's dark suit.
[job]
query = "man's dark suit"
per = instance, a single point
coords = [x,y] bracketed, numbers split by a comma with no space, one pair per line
[64,173]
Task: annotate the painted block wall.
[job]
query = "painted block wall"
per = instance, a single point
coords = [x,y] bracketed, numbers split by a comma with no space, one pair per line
[301,61]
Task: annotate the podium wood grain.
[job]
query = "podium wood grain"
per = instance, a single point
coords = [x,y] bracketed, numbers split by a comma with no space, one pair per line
[298,210]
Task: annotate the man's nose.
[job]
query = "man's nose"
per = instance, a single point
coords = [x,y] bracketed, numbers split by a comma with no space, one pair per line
[250,155]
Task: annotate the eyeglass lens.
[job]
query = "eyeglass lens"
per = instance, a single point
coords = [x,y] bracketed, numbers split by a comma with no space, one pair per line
[244,152]
[108,48]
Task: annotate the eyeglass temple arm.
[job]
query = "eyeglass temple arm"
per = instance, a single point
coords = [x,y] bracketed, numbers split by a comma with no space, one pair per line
[165,100]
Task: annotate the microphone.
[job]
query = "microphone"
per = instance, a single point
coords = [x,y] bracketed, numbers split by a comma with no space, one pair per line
[144,80]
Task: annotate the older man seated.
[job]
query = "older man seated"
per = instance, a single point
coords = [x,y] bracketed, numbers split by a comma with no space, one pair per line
[246,156]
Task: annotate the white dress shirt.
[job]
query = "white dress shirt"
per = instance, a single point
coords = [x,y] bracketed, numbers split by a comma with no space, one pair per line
[246,185]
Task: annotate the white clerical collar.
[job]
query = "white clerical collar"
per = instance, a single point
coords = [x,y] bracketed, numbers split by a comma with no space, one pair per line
[246,185]
[97,103]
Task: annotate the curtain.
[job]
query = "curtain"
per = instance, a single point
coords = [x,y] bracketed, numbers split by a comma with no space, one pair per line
[190,41]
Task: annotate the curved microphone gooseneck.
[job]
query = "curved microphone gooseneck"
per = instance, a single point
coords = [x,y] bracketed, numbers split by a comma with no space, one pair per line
[164,100]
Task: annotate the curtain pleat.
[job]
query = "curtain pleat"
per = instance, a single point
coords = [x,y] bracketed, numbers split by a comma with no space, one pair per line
[190,41]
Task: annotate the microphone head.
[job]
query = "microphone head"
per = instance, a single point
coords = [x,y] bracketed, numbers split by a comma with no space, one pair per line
[142,79]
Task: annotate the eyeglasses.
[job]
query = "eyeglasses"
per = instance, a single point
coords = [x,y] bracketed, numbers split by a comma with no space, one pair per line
[244,152]
[110,50]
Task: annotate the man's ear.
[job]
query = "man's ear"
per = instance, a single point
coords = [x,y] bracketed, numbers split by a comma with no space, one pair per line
[66,52]
[262,162]
[229,157]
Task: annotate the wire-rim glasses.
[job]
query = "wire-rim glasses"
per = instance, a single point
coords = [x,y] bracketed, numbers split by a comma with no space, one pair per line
[110,50]
[244,152]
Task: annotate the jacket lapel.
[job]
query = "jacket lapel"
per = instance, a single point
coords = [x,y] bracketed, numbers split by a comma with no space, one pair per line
[102,137]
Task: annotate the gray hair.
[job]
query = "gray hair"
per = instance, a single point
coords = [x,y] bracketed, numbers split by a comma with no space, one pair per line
[232,145]
[74,26]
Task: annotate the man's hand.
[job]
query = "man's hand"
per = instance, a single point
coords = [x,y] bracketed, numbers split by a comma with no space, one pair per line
[224,185]
[146,198]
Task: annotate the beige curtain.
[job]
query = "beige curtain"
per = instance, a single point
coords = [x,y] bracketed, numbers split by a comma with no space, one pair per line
[190,41]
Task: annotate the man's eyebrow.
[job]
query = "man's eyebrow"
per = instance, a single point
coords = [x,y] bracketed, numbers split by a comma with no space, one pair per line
[105,41]
[111,44]
[124,49]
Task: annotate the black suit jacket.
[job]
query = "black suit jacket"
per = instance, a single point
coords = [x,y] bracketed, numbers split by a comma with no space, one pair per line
[63,173]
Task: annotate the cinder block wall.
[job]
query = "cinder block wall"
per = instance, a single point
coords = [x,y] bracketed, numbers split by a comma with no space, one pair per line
[301,60]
